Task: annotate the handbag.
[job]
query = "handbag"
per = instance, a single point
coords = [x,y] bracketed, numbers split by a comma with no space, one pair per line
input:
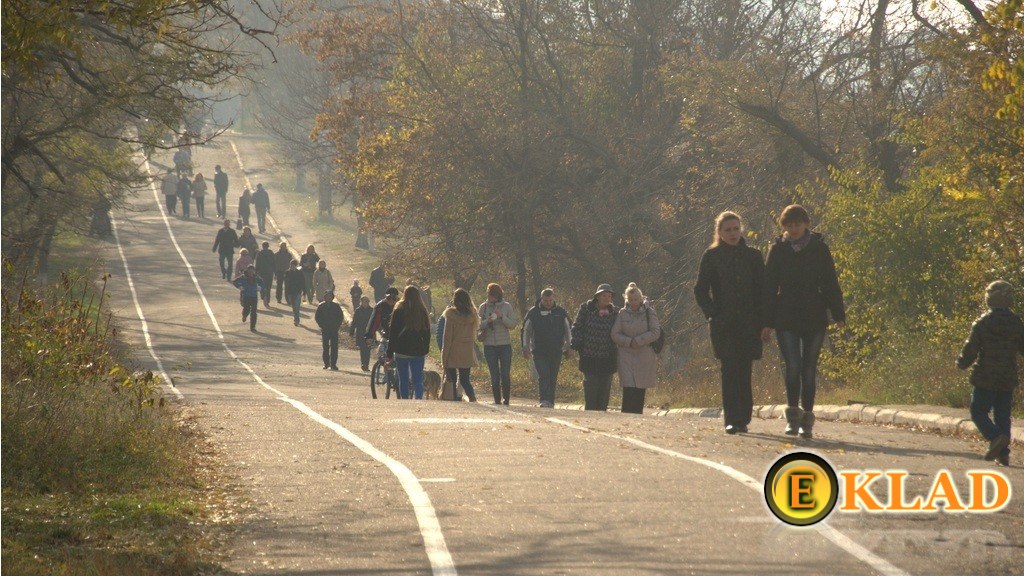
[659,344]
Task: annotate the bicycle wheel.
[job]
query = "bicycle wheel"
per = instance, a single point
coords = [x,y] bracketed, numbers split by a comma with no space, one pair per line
[378,377]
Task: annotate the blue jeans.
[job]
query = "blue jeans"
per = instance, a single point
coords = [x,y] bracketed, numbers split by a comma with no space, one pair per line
[985,401]
[410,368]
[800,353]
[227,264]
[499,363]
[548,364]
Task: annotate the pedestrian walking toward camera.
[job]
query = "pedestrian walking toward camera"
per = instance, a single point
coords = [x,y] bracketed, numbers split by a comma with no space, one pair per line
[729,291]
[496,319]
[169,186]
[546,337]
[991,350]
[224,245]
[458,351]
[244,206]
[380,281]
[251,286]
[244,261]
[184,194]
[294,287]
[329,317]
[636,328]
[265,268]
[356,292]
[261,201]
[282,258]
[248,241]
[220,186]
[409,342]
[801,289]
[360,318]
[199,194]
[323,282]
[308,262]
[592,340]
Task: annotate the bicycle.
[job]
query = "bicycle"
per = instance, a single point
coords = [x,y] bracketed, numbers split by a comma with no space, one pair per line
[383,373]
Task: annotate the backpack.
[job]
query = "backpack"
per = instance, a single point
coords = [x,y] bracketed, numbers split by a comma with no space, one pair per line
[659,344]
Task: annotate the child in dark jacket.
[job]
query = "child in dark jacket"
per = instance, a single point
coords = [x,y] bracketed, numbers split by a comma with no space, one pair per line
[996,339]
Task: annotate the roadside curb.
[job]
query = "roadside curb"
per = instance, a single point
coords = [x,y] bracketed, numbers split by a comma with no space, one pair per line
[859,413]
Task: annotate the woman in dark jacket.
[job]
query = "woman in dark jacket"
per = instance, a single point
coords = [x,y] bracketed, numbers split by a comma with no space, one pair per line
[409,341]
[801,289]
[729,288]
[592,339]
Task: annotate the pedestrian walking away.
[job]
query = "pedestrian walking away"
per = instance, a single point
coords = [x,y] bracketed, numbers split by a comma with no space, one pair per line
[199,194]
[636,328]
[308,262]
[458,349]
[409,342]
[329,317]
[323,282]
[592,340]
[261,201]
[730,283]
[250,286]
[360,319]
[244,204]
[496,319]
[265,267]
[169,186]
[184,194]
[294,287]
[380,320]
[282,258]
[220,186]
[356,292]
[801,289]
[991,350]
[224,245]
[545,339]
[380,281]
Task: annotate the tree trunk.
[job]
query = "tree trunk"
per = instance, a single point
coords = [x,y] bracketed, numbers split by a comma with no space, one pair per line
[326,205]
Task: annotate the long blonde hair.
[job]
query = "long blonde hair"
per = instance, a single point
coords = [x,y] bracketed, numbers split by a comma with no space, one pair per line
[416,317]
[721,219]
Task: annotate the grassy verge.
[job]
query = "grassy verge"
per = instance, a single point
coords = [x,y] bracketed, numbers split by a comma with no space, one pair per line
[101,476]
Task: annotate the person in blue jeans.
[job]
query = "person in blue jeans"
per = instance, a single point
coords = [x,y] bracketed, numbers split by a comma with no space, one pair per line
[546,336]
[251,286]
[496,319]
[801,289]
[996,339]
[409,342]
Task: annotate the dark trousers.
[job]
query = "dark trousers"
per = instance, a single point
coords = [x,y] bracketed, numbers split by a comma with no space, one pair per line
[329,339]
[633,400]
[201,206]
[268,279]
[279,276]
[184,206]
[596,390]
[249,305]
[364,352]
[548,364]
[261,219]
[308,276]
[172,203]
[499,363]
[999,402]
[295,299]
[245,217]
[222,204]
[800,353]
[227,264]
[463,379]
[737,398]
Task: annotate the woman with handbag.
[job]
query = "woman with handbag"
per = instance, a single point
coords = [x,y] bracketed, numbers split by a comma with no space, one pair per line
[592,340]
[458,351]
[496,318]
[636,328]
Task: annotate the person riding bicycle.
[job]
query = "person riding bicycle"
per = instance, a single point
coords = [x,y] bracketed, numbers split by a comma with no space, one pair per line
[380,321]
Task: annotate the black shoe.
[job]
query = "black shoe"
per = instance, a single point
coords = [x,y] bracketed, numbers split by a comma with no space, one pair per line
[996,446]
[505,402]
[325,366]
[252,329]
[730,429]
[366,368]
[1003,460]
[335,368]
[741,429]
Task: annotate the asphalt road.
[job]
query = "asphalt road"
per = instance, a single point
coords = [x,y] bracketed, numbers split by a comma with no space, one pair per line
[343,484]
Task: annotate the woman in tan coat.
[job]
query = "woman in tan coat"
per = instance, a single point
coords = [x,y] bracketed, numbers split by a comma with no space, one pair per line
[636,328]
[458,351]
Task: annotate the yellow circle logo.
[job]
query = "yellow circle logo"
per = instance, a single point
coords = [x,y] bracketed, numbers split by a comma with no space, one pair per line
[801,488]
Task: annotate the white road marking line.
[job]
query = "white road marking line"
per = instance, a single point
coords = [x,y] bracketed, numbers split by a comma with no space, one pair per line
[142,318]
[440,558]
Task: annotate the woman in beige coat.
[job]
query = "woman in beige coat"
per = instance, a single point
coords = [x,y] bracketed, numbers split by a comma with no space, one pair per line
[458,351]
[635,329]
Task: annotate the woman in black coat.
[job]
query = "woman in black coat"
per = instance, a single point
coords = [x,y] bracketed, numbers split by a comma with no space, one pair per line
[801,289]
[729,290]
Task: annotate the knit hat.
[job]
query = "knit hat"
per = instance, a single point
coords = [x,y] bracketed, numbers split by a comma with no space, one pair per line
[999,294]
[604,288]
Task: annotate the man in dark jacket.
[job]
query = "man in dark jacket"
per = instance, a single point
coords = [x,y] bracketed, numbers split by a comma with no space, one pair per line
[184,194]
[380,281]
[265,268]
[546,335]
[294,288]
[224,245]
[282,258]
[996,339]
[329,317]
[261,200]
[381,318]
[360,318]
[220,186]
